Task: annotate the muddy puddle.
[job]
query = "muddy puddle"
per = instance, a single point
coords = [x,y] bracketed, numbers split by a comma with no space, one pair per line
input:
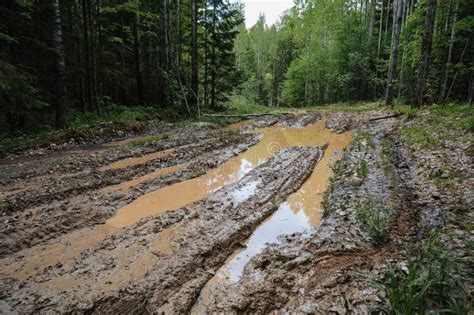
[299,213]
[178,195]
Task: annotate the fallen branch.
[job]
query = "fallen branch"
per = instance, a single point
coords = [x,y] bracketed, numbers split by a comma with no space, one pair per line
[385,117]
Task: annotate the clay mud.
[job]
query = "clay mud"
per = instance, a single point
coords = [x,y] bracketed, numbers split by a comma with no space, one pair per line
[260,215]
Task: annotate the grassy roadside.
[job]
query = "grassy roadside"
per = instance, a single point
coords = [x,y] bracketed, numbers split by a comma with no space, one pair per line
[83,127]
[439,138]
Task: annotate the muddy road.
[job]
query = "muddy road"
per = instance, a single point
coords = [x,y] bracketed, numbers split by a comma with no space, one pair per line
[256,216]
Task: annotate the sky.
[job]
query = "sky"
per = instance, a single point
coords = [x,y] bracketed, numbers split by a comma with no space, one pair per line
[271,8]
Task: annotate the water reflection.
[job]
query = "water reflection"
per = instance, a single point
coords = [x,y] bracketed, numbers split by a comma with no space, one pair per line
[183,193]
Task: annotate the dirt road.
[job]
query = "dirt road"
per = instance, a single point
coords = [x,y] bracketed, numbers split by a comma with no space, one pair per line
[256,216]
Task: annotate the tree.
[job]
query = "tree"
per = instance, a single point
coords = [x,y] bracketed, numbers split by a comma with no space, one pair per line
[60,75]
[447,66]
[392,70]
[194,90]
[425,53]
[220,20]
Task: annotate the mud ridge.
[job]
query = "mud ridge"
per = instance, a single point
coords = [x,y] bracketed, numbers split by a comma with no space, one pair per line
[35,225]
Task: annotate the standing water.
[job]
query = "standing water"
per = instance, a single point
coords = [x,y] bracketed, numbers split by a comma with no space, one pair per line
[300,212]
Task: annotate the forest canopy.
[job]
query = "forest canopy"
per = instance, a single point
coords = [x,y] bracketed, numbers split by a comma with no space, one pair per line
[327,51]
[181,57]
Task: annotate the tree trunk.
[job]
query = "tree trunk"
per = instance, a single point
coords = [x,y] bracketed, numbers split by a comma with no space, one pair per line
[378,49]
[425,54]
[206,57]
[380,30]
[85,24]
[387,18]
[60,97]
[179,33]
[194,98]
[372,19]
[447,67]
[100,79]
[392,70]
[213,64]
[93,66]
[136,48]
[166,17]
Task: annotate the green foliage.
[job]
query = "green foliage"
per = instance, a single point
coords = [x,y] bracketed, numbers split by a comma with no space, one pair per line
[329,51]
[220,21]
[241,106]
[374,221]
[428,283]
[113,113]
[454,118]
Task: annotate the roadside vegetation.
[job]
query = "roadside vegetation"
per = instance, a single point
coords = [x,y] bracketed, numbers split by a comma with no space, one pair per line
[374,221]
[83,128]
[430,280]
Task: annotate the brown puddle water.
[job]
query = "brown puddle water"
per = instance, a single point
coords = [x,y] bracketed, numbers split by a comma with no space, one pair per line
[183,193]
[126,163]
[300,212]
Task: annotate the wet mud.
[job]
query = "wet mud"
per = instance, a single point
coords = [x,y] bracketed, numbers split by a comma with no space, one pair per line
[257,216]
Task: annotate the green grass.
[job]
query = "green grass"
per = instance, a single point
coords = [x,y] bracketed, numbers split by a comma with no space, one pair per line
[388,160]
[79,125]
[406,111]
[428,283]
[419,134]
[347,107]
[363,137]
[240,105]
[244,109]
[362,170]
[373,221]
[113,113]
